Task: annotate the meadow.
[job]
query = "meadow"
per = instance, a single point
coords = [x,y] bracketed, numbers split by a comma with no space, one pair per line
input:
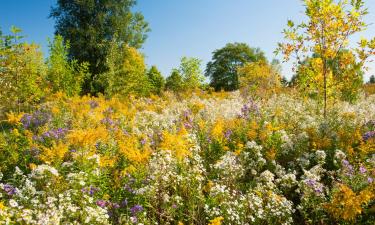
[91,134]
[202,158]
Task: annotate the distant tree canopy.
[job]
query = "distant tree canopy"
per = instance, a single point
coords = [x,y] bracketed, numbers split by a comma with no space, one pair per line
[222,70]
[187,77]
[91,25]
[372,79]
[156,79]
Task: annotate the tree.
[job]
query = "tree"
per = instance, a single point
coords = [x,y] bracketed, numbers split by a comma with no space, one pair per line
[22,73]
[126,74]
[222,70]
[190,70]
[91,25]
[63,75]
[157,81]
[259,79]
[330,25]
[372,79]
[174,82]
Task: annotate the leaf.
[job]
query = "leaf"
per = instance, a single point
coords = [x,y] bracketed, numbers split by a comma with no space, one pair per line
[15,30]
[290,23]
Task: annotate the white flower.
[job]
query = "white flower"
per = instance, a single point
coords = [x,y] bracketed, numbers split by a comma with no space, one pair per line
[13,203]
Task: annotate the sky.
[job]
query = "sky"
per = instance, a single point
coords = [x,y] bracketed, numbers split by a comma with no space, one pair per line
[192,28]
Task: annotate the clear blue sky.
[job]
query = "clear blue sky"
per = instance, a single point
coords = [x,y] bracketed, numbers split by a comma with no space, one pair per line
[180,28]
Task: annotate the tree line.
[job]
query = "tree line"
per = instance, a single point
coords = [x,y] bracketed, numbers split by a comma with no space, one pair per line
[96,51]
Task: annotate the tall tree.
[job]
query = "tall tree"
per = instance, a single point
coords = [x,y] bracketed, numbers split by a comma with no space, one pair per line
[330,25]
[222,70]
[91,25]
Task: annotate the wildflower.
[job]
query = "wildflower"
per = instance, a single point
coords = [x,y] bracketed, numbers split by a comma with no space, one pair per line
[368,135]
[9,189]
[13,203]
[135,209]
[101,203]
[362,169]
[216,221]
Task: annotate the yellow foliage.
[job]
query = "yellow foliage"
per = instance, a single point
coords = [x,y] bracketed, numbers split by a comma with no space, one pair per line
[216,221]
[14,118]
[129,148]
[346,204]
[88,137]
[55,153]
[178,143]
[217,131]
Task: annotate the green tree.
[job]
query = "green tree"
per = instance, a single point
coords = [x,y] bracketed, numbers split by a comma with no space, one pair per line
[174,82]
[63,75]
[22,73]
[372,79]
[157,81]
[222,70]
[126,74]
[330,25]
[92,25]
[190,70]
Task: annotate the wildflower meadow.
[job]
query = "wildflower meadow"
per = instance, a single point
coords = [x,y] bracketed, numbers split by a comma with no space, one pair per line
[117,143]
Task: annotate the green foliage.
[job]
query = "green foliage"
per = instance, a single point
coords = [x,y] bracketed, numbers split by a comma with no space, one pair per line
[157,81]
[191,73]
[372,79]
[63,75]
[222,70]
[22,73]
[174,82]
[127,72]
[92,25]
[187,77]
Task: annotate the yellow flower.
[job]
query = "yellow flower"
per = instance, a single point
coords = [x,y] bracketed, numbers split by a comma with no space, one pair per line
[32,166]
[216,221]
[2,206]
[217,131]
[14,118]
[55,153]
[178,143]
[129,147]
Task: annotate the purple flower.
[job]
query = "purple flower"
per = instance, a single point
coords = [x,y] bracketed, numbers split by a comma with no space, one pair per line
[362,169]
[9,189]
[115,205]
[370,180]
[124,203]
[101,203]
[368,135]
[143,141]
[35,120]
[93,104]
[227,134]
[135,209]
[134,219]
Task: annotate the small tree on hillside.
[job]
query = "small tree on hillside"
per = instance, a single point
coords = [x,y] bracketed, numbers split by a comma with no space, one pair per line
[22,73]
[63,75]
[157,81]
[326,34]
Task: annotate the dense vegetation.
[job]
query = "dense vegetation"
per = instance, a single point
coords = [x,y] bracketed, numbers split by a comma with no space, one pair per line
[91,135]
